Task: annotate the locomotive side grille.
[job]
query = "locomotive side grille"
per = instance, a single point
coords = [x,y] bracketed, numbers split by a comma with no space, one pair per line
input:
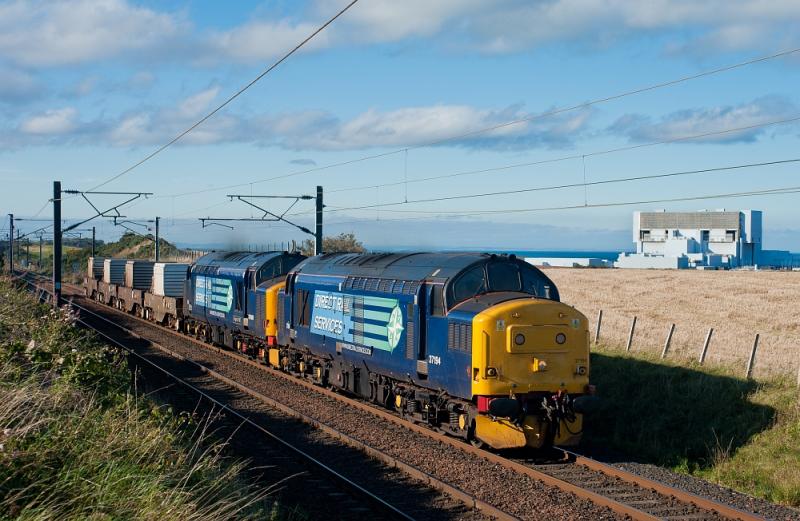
[281,319]
[372,284]
[410,340]
[459,337]
[411,288]
[260,309]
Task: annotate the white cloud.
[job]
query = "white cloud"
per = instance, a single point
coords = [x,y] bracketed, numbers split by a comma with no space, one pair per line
[708,120]
[51,122]
[390,20]
[40,33]
[311,130]
[197,104]
[417,125]
[85,86]
[260,40]
[17,85]
[141,80]
[64,32]
[510,25]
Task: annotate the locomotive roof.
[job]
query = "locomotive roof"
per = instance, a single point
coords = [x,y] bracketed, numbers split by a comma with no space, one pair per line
[239,259]
[405,266]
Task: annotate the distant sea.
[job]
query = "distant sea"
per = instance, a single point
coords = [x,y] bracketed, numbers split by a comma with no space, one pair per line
[569,254]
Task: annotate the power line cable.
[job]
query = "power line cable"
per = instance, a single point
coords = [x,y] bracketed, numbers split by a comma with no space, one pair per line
[570,157]
[227,101]
[450,215]
[528,118]
[541,162]
[573,185]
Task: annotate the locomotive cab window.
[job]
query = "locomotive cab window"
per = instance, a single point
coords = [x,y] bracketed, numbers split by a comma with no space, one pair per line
[500,276]
[503,276]
[536,283]
[468,284]
[268,271]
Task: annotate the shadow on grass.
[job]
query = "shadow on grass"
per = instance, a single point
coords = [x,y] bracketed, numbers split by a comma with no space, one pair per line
[667,415]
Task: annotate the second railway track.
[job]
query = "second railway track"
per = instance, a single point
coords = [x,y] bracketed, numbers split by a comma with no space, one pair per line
[501,487]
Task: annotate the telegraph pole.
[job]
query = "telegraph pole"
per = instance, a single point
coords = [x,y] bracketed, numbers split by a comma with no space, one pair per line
[40,252]
[93,230]
[11,243]
[158,247]
[318,231]
[56,243]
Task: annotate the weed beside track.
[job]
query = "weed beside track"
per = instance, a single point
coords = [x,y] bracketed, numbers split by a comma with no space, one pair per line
[77,442]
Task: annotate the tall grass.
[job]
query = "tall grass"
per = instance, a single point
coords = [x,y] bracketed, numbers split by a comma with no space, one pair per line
[77,444]
[700,420]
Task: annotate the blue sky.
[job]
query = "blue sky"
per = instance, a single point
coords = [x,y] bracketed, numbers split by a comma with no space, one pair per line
[89,88]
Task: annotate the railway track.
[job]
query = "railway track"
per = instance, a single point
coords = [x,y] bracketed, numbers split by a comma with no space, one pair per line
[623,493]
[332,494]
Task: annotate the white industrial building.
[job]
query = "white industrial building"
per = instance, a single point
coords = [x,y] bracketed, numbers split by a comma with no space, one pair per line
[704,239]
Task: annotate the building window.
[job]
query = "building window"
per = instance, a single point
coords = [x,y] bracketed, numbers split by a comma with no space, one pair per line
[730,235]
[705,235]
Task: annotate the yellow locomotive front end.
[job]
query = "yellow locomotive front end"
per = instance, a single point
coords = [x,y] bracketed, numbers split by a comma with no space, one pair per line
[530,368]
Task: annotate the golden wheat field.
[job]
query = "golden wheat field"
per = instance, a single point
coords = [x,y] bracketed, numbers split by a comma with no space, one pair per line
[737,304]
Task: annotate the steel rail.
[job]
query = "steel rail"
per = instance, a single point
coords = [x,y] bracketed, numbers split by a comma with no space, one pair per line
[681,495]
[617,507]
[410,470]
[723,510]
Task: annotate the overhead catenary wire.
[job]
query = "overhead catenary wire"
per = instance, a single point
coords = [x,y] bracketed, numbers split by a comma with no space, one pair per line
[574,185]
[581,155]
[498,126]
[228,100]
[451,215]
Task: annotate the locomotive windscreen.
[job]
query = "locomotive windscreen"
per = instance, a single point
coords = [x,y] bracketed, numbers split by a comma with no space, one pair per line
[500,276]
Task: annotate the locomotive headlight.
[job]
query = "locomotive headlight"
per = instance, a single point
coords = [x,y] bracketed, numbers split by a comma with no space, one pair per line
[519,339]
[491,372]
[561,338]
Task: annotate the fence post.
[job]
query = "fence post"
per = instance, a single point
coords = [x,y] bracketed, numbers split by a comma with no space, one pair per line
[597,330]
[705,345]
[798,376]
[630,335]
[668,341]
[752,359]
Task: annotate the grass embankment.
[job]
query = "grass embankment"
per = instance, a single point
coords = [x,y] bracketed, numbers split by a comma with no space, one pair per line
[77,444]
[701,421]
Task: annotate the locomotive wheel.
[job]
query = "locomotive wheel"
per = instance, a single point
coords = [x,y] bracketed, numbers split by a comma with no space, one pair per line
[475,442]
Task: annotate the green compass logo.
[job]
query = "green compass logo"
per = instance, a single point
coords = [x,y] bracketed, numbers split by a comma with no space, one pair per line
[395,327]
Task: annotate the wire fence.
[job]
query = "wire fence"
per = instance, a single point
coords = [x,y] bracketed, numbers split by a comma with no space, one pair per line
[754,355]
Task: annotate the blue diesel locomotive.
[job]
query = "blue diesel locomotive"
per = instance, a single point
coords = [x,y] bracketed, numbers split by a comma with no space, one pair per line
[476,345]
[230,295]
